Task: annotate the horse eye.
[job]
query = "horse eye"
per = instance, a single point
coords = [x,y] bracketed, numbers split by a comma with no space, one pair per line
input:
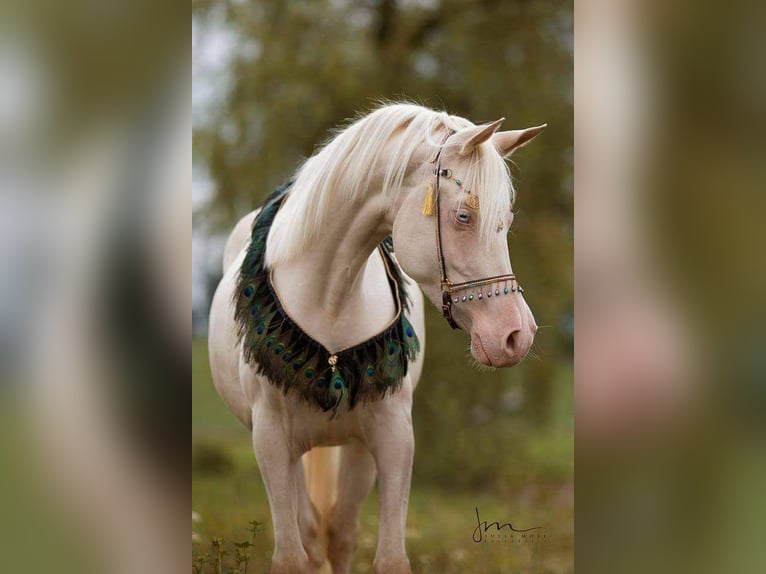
[463,217]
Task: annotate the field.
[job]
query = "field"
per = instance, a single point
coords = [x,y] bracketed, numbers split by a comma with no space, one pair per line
[524,476]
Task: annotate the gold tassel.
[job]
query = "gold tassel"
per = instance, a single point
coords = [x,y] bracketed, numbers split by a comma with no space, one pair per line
[428,203]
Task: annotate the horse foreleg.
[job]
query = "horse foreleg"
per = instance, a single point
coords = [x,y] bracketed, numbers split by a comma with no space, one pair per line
[393,445]
[308,524]
[281,474]
[357,476]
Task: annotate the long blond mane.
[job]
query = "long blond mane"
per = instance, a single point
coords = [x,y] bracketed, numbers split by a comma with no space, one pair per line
[341,171]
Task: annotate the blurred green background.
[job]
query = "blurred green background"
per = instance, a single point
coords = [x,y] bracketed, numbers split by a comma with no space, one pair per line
[270,80]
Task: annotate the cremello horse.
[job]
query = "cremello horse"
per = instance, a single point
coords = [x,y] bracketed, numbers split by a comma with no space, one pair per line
[374,179]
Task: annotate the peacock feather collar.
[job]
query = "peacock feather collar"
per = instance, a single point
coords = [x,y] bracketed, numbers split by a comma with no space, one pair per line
[290,359]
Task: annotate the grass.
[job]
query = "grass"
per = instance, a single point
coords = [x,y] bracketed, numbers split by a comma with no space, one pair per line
[535,490]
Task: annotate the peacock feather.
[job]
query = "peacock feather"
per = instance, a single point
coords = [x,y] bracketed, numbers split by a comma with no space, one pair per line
[409,339]
[294,362]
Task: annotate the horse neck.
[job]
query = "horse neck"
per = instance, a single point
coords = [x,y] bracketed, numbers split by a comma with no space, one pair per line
[332,284]
[333,288]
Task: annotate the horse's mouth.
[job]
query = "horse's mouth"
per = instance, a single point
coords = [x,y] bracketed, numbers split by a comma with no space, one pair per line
[477,348]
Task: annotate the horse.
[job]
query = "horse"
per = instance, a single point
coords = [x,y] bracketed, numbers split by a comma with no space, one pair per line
[317,327]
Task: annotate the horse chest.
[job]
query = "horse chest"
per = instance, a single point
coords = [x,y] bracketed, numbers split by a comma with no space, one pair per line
[308,428]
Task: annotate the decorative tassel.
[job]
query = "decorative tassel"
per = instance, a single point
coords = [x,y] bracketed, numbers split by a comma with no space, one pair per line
[428,203]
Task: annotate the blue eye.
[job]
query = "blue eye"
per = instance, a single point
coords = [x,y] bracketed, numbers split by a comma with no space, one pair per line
[463,217]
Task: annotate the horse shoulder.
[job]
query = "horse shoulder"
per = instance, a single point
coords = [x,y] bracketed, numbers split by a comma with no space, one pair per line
[238,239]
[223,342]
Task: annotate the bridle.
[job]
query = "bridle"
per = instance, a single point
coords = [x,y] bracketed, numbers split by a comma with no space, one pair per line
[448,288]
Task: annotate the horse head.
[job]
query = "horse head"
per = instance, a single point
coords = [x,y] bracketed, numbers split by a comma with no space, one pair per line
[451,231]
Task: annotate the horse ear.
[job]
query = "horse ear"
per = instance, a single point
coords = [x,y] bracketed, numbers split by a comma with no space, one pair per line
[469,138]
[508,142]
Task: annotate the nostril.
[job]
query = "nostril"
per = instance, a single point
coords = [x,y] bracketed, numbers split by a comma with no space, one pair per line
[512,342]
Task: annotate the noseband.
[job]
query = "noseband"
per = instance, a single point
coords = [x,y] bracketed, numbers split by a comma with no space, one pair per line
[450,290]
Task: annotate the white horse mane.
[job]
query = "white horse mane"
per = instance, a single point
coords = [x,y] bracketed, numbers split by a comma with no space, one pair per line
[341,171]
